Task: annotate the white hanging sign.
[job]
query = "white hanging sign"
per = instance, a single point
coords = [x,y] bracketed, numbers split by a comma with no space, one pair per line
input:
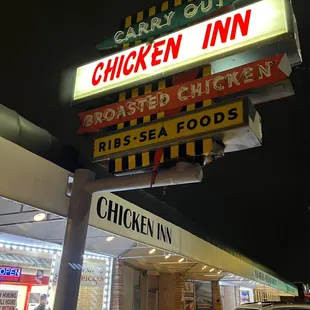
[225,35]
[113,214]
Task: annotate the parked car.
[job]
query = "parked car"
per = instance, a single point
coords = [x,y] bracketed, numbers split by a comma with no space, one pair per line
[273,306]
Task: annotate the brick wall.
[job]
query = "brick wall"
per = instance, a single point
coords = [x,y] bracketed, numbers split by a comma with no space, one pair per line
[171,288]
[90,298]
[216,296]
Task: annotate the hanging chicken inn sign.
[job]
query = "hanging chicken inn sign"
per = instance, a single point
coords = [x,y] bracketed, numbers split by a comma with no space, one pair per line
[188,48]
[162,44]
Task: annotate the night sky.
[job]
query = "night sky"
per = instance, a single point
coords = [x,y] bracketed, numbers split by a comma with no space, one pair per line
[255,201]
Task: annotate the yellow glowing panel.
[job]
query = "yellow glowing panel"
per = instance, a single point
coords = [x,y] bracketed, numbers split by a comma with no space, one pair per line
[165,132]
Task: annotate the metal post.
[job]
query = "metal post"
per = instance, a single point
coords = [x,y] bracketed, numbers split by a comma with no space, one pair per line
[183,173]
[68,285]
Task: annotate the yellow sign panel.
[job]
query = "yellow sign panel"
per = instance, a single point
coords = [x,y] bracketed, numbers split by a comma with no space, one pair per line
[171,131]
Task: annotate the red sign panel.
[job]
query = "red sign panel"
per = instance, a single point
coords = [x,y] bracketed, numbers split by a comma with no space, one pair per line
[10,274]
[252,75]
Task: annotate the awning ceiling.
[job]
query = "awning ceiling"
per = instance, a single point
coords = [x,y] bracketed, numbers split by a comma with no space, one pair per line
[18,227]
[25,261]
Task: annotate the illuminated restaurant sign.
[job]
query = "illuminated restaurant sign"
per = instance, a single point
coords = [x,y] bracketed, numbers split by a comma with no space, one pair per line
[118,216]
[252,75]
[10,274]
[265,278]
[199,44]
[203,124]
[165,21]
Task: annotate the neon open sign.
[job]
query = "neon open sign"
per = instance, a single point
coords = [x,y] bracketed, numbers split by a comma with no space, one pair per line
[10,274]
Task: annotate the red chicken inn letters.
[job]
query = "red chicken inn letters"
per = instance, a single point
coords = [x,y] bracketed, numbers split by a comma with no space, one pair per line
[167,49]
[185,49]
[259,73]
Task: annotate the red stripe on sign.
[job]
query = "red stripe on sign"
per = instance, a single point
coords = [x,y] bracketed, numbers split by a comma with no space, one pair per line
[177,79]
[252,75]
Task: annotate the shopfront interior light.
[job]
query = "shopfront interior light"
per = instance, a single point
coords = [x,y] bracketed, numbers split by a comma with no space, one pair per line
[152,251]
[219,272]
[181,260]
[204,267]
[109,239]
[39,217]
[167,256]
[212,269]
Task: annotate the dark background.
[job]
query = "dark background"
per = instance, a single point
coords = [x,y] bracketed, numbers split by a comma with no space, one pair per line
[256,201]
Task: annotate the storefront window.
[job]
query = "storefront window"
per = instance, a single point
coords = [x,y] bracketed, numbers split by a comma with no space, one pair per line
[24,276]
[27,272]
[95,286]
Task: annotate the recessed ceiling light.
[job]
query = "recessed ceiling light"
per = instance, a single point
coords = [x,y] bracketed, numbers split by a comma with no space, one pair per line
[39,217]
[167,256]
[181,260]
[219,272]
[212,269]
[152,251]
[109,239]
[204,267]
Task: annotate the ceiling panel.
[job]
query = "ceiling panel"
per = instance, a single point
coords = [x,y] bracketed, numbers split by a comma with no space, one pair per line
[9,206]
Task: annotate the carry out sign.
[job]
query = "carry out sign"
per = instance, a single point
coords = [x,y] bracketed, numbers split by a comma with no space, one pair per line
[179,129]
[165,21]
[255,74]
[199,44]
